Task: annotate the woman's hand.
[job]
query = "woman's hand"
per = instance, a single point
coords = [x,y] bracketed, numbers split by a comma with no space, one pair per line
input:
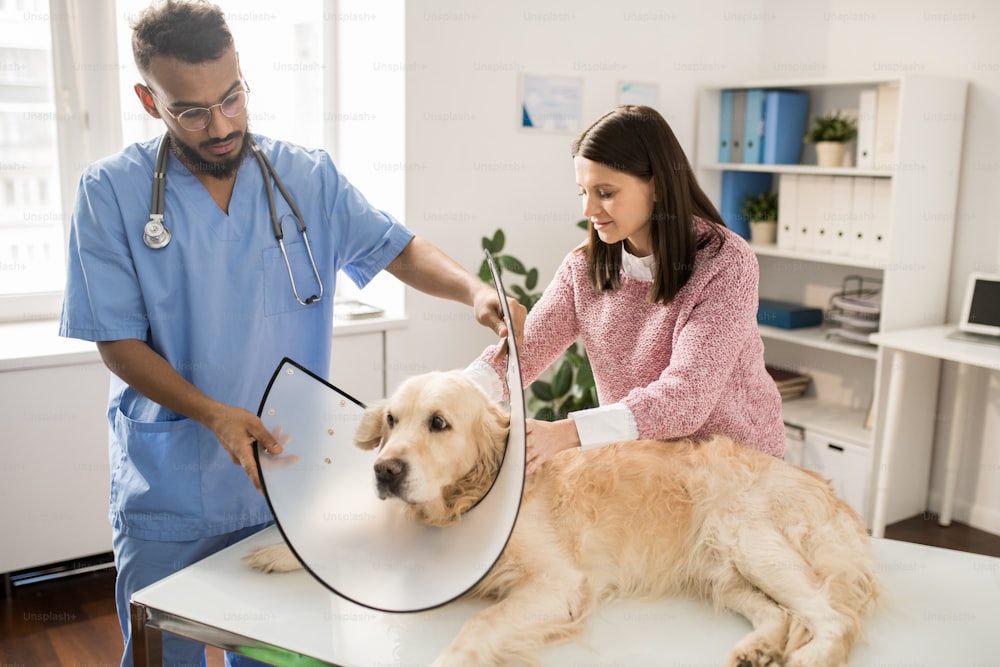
[546,439]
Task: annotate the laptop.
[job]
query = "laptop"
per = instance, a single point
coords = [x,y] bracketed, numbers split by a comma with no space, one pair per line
[980,319]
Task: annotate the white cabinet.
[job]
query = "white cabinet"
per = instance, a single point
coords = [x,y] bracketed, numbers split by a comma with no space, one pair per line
[848,466]
[356,367]
[55,473]
[916,226]
[358,364]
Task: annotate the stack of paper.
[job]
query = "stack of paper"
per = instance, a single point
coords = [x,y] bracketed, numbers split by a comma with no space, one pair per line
[790,383]
[854,312]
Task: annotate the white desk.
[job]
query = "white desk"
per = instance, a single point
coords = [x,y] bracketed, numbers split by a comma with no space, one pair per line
[941,608]
[931,342]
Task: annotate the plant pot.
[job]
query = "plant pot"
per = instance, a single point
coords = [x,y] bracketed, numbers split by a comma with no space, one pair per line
[830,153]
[763,232]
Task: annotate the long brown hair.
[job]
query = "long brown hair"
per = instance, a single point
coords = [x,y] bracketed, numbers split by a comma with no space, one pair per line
[637,140]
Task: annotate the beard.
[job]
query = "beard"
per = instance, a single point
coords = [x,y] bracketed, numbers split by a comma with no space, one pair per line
[221,169]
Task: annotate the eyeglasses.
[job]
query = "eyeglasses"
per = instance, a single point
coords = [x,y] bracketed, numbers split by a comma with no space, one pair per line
[198,118]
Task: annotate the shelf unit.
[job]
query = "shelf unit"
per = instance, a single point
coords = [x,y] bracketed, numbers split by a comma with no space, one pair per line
[848,378]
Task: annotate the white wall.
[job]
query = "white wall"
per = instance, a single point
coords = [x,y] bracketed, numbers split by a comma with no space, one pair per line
[470,170]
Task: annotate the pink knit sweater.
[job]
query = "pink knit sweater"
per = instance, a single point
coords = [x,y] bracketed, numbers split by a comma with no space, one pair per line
[692,368]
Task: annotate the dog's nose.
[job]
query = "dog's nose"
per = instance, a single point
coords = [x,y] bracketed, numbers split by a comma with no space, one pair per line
[389,473]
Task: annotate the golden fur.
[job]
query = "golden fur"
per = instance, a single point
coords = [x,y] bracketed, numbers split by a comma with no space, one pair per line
[713,519]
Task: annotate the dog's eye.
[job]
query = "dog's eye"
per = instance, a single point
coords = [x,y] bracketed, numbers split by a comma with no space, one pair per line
[438,423]
[390,420]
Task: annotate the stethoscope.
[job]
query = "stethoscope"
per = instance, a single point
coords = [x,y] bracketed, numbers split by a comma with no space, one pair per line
[156,235]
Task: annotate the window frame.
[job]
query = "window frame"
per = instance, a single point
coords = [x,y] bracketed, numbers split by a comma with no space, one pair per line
[87,117]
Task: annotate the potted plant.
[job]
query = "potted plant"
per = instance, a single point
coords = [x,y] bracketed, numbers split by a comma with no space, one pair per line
[761,211]
[571,385]
[831,133]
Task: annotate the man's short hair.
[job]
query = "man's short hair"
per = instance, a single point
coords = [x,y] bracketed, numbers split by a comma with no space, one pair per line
[192,31]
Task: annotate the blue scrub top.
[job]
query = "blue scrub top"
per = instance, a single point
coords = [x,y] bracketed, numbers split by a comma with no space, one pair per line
[217,304]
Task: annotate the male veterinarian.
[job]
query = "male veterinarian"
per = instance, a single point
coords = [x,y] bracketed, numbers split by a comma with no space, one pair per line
[192,316]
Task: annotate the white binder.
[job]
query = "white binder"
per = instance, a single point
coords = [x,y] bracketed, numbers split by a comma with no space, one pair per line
[823,220]
[788,188]
[886,124]
[867,102]
[861,217]
[805,213]
[878,239]
[841,215]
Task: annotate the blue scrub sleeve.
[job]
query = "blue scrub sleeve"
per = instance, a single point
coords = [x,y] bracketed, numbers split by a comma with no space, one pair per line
[102,300]
[365,238]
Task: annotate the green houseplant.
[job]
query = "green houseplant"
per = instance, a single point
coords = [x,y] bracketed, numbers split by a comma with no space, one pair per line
[830,133]
[761,210]
[572,385]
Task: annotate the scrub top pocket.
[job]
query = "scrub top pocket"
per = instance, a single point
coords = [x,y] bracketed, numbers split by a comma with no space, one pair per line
[159,480]
[278,296]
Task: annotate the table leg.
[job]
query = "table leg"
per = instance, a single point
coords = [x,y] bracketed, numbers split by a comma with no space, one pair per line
[956,441]
[890,435]
[147,642]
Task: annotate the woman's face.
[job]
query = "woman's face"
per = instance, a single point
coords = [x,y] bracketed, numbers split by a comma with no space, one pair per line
[619,205]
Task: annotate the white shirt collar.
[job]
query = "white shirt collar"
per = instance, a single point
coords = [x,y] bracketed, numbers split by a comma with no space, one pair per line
[639,268]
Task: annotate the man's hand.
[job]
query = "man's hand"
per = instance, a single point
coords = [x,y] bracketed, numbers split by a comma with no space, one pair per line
[489,313]
[237,429]
[424,267]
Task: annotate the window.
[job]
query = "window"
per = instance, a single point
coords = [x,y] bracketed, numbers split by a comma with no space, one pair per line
[32,259]
[281,55]
[286,54]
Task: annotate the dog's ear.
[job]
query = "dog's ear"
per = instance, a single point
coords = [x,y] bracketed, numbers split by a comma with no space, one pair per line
[372,427]
[494,426]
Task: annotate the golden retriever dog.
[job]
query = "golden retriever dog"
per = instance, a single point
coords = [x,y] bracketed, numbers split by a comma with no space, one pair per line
[713,519]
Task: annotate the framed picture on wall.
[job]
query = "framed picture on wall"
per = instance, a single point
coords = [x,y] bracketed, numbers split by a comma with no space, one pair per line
[550,103]
[644,94]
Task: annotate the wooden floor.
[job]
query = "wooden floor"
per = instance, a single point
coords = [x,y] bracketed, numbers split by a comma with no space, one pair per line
[71,622]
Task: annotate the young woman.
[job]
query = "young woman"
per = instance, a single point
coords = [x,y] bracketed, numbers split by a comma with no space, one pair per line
[664,297]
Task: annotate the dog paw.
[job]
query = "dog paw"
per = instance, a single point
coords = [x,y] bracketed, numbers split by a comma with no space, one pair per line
[755,657]
[273,558]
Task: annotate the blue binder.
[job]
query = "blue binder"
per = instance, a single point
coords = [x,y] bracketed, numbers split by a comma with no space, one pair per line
[736,187]
[739,120]
[725,124]
[786,113]
[753,127]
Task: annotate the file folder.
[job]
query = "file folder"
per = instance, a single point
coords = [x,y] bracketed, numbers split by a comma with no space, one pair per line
[862,217]
[867,101]
[886,110]
[725,124]
[823,225]
[736,134]
[841,215]
[788,189]
[736,187]
[753,126]
[807,212]
[878,239]
[786,113]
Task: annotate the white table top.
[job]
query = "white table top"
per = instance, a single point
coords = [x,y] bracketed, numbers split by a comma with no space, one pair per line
[935,342]
[941,608]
